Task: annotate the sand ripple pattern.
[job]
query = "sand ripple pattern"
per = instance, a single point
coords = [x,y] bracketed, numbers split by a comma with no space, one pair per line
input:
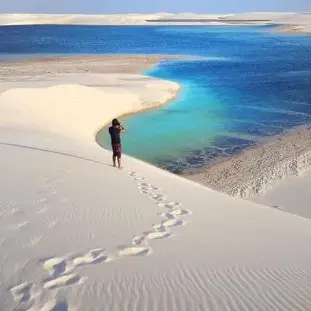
[61,272]
[225,289]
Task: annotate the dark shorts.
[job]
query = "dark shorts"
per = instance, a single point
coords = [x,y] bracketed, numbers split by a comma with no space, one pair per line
[116,149]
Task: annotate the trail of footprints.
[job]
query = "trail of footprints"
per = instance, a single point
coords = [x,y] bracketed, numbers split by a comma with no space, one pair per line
[172,217]
[61,272]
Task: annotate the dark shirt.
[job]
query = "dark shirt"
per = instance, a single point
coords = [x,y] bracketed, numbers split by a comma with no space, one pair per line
[114,132]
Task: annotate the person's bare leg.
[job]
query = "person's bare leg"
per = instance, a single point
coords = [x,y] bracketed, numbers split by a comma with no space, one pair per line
[114,161]
[119,162]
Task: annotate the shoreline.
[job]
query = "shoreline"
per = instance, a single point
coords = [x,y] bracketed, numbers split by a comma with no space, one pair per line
[120,63]
[128,114]
[107,75]
[297,29]
[257,169]
[249,179]
[287,22]
[295,165]
[284,28]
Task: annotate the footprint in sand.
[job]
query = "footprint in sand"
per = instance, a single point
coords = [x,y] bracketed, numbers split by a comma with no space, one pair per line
[138,240]
[147,186]
[60,269]
[175,212]
[157,197]
[149,191]
[168,223]
[140,179]
[151,235]
[22,293]
[62,281]
[169,205]
[134,251]
[94,256]
[137,177]
[174,222]
[158,235]
[56,266]
[143,184]
[134,174]
[144,191]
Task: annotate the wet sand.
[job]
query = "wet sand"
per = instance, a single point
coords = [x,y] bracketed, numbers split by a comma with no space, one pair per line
[134,64]
[295,29]
[258,169]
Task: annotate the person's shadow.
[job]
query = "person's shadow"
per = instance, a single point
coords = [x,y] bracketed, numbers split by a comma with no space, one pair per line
[54,152]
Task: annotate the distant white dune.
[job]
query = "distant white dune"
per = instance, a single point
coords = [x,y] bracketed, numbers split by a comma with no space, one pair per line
[303,20]
[114,19]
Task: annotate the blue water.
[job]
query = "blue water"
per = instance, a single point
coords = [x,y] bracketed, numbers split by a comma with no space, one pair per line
[249,83]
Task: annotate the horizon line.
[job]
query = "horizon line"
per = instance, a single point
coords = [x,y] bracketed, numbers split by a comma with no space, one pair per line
[172,13]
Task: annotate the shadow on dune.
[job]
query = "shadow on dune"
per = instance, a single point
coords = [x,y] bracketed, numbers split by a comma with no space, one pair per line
[54,152]
[63,306]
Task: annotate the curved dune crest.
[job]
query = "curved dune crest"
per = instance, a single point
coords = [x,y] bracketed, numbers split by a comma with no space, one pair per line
[78,111]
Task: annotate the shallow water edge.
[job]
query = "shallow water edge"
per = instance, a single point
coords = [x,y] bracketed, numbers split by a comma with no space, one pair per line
[257,169]
[248,173]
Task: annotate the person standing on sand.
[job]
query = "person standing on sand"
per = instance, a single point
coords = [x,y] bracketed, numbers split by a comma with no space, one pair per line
[114,132]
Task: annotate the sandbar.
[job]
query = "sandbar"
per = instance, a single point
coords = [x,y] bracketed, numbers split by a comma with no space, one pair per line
[259,168]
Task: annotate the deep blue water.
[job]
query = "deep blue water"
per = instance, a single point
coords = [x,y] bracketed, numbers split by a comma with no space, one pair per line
[249,83]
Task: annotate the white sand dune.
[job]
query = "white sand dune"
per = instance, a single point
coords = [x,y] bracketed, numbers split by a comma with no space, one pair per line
[297,22]
[291,195]
[76,19]
[85,122]
[78,234]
